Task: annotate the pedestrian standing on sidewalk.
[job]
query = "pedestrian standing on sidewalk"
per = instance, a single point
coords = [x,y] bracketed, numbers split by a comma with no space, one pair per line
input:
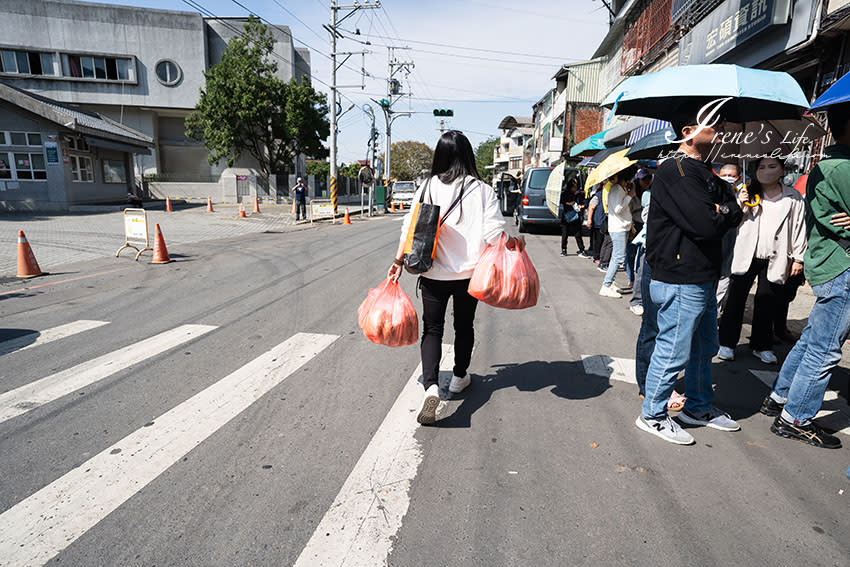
[770,247]
[619,226]
[691,211]
[468,228]
[731,174]
[568,214]
[643,178]
[595,218]
[798,392]
[607,245]
[300,191]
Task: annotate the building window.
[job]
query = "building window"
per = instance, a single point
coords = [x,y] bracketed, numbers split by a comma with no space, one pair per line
[30,166]
[5,166]
[168,72]
[21,138]
[114,171]
[81,169]
[27,62]
[77,144]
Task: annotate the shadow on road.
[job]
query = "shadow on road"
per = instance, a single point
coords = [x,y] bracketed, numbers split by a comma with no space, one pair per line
[566,380]
[16,339]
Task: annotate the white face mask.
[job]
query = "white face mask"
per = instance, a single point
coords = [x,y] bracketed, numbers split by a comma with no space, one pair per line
[769,176]
[729,179]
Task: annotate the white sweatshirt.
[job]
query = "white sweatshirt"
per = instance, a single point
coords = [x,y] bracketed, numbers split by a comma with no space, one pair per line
[619,213]
[462,239]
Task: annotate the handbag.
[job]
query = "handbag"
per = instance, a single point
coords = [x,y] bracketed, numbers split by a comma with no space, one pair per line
[421,243]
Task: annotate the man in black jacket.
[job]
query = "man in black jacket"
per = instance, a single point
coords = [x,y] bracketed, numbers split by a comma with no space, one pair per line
[691,211]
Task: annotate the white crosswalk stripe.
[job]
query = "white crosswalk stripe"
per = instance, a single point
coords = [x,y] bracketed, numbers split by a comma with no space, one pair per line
[620,369]
[360,525]
[45,390]
[39,527]
[31,340]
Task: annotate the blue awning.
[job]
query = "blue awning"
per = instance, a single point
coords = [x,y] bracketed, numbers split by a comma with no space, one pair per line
[591,143]
[646,130]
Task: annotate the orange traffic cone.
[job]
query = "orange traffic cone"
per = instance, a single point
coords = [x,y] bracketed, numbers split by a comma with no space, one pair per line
[256,205]
[242,214]
[401,206]
[160,252]
[209,205]
[27,266]
[168,205]
[392,206]
[347,219]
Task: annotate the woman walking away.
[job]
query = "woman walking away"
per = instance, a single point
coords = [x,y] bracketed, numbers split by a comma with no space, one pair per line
[770,247]
[469,226]
[570,219]
[619,225]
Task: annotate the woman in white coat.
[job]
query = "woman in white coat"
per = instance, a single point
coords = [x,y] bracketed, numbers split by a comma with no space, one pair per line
[770,247]
[472,224]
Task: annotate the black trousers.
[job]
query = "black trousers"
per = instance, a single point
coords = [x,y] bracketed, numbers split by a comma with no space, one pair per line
[780,320]
[435,300]
[571,229]
[300,210]
[607,250]
[768,298]
[596,241]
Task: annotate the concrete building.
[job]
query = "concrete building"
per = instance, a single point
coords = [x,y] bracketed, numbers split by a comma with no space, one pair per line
[139,67]
[53,156]
[509,155]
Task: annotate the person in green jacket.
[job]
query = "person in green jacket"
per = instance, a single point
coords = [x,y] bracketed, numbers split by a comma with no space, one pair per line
[798,392]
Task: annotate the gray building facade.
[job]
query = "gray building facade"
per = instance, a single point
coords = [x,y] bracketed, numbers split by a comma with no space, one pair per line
[140,67]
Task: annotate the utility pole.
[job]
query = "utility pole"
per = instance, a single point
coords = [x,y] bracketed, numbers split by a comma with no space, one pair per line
[393,89]
[334,87]
[442,126]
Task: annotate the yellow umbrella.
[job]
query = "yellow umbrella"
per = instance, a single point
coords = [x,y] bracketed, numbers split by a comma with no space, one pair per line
[615,163]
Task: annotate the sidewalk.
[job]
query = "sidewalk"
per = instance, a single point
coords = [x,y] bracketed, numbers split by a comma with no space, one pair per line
[73,237]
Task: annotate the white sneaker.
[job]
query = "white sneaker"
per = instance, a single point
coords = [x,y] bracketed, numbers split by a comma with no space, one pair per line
[726,353]
[636,309]
[428,410]
[665,428]
[609,291]
[714,418]
[766,356]
[458,385]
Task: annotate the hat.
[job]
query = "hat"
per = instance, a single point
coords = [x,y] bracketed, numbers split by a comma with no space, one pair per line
[642,173]
[299,180]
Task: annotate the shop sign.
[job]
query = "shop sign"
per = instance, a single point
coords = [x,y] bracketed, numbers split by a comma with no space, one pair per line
[51,150]
[730,25]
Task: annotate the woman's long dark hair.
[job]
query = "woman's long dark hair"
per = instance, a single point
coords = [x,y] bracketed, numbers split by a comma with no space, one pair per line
[754,188]
[453,158]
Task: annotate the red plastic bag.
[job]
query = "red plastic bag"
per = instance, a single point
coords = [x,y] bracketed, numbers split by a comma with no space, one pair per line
[387,316]
[505,277]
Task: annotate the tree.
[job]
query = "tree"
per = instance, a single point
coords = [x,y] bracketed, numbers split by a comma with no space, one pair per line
[484,156]
[246,108]
[350,170]
[320,169]
[409,159]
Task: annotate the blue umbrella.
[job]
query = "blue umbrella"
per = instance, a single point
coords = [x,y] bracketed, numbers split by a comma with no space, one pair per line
[839,92]
[756,94]
[653,145]
[590,144]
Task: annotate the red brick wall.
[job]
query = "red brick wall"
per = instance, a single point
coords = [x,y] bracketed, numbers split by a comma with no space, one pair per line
[588,122]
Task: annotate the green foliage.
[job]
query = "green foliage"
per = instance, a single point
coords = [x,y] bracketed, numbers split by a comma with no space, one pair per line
[409,159]
[320,169]
[484,156]
[350,170]
[245,108]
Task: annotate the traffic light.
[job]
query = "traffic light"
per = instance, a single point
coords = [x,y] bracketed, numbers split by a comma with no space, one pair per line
[395,87]
[444,112]
[384,103]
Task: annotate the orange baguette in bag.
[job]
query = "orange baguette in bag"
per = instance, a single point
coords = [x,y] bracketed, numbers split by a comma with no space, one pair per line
[505,277]
[387,316]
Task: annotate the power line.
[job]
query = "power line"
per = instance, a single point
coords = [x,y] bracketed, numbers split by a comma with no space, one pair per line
[288,11]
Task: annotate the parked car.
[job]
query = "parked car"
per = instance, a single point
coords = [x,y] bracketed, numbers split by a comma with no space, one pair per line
[403,192]
[532,208]
[507,193]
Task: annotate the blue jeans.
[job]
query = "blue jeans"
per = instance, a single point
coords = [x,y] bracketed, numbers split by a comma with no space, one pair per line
[686,340]
[805,374]
[648,329]
[631,259]
[618,255]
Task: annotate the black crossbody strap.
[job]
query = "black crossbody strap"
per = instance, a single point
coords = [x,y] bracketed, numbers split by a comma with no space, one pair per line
[454,203]
[424,190]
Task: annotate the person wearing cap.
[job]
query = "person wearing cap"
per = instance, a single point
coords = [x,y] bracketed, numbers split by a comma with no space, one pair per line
[300,191]
[691,211]
[798,391]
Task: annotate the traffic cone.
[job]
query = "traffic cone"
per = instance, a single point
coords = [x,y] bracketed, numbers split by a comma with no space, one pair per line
[392,206]
[209,205]
[160,252]
[27,266]
[242,214]
[168,205]
[256,205]
[401,206]
[347,219]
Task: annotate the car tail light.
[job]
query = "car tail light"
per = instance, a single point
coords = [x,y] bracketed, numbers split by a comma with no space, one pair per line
[525,201]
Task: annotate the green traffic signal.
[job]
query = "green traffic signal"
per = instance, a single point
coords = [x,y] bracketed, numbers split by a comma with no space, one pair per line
[384,103]
[444,112]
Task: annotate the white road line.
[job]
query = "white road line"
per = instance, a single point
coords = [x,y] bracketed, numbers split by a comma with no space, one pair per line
[40,392]
[359,527]
[26,341]
[621,369]
[39,527]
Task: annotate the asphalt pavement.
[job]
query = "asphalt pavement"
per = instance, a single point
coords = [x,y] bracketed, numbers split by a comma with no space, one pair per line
[225,409]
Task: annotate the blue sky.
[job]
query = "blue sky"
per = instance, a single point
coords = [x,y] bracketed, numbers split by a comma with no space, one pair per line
[481,87]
